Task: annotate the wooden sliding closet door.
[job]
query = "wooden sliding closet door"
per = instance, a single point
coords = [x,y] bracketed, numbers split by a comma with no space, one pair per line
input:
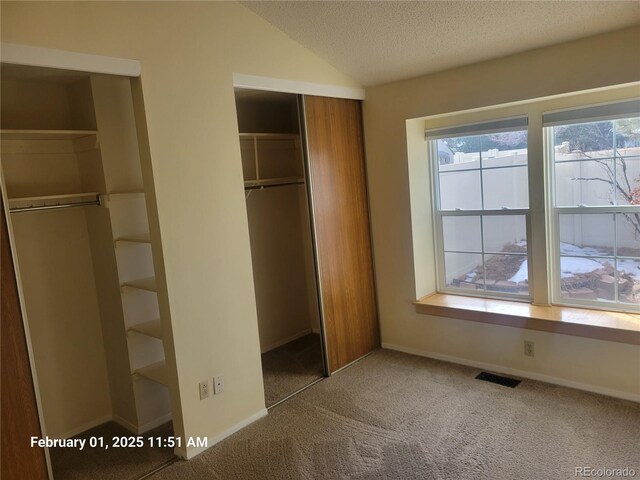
[19,412]
[341,220]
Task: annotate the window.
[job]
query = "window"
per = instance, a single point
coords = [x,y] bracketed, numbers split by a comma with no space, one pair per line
[596,210]
[482,208]
[591,239]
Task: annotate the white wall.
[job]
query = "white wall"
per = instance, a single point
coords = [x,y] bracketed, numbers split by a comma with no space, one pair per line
[189,52]
[400,202]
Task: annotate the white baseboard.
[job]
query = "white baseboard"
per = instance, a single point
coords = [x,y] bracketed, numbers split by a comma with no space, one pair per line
[188,454]
[284,341]
[125,423]
[517,373]
[137,430]
[315,330]
[156,422]
[82,428]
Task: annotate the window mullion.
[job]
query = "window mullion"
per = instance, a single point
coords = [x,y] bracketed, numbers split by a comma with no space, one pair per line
[538,209]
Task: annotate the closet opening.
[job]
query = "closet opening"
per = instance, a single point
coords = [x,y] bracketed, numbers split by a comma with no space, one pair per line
[74,198]
[282,247]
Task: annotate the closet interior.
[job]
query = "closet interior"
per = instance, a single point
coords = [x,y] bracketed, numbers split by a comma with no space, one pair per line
[280,232]
[74,190]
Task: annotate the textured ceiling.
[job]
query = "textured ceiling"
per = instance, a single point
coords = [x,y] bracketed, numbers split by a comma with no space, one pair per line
[378,42]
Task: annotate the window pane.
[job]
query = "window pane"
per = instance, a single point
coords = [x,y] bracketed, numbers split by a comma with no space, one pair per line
[459,152]
[628,187]
[627,133]
[629,280]
[462,234]
[587,183]
[587,235]
[628,234]
[587,278]
[462,270]
[505,188]
[504,233]
[460,190]
[504,148]
[506,273]
[583,141]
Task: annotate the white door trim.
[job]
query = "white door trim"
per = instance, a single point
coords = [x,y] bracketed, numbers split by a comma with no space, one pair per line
[16,54]
[256,82]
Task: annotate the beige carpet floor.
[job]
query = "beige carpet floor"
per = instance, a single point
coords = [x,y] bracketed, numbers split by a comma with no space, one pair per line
[290,367]
[113,463]
[398,416]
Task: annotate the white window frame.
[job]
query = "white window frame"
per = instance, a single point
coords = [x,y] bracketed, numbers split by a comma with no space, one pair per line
[554,213]
[439,214]
[542,221]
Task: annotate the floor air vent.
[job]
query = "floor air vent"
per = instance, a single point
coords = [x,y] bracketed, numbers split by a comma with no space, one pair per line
[500,380]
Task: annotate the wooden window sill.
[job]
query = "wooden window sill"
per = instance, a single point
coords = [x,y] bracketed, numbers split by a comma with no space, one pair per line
[581,322]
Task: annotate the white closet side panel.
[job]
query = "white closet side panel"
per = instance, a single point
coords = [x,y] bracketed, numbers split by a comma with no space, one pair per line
[64,318]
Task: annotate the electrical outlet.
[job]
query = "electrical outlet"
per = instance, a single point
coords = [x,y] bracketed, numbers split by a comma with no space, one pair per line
[204,389]
[529,349]
[218,385]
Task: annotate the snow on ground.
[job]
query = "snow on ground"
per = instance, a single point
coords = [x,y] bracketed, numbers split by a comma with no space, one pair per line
[574,265]
[571,266]
[522,274]
[570,249]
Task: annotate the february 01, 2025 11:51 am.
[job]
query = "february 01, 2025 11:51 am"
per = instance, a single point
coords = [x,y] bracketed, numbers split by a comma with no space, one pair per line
[117,442]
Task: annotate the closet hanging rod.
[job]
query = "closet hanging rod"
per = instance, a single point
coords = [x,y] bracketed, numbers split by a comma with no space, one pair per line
[261,187]
[58,205]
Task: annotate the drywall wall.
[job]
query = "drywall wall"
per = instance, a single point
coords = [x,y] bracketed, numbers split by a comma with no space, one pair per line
[189,52]
[397,168]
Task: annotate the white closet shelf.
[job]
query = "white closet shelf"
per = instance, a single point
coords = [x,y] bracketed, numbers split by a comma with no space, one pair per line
[271,136]
[148,284]
[152,328]
[273,181]
[20,203]
[14,134]
[156,372]
[141,238]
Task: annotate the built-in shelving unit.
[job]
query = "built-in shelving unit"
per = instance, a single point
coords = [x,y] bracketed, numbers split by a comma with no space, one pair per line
[156,372]
[141,238]
[87,156]
[148,284]
[152,328]
[271,159]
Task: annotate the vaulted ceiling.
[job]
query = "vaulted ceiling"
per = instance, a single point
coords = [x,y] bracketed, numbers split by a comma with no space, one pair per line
[379,42]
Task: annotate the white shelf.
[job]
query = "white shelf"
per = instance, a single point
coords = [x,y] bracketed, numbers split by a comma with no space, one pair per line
[141,238]
[271,136]
[156,372]
[13,134]
[148,284]
[272,181]
[152,328]
[20,203]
